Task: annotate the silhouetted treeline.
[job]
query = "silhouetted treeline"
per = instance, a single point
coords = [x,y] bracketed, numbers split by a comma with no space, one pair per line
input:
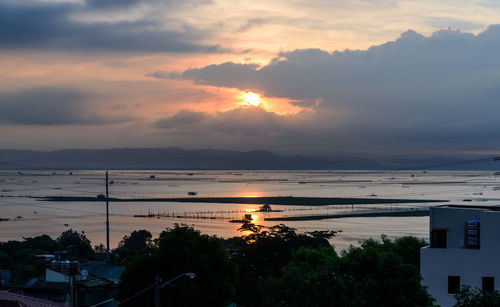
[276,266]
[21,256]
[273,266]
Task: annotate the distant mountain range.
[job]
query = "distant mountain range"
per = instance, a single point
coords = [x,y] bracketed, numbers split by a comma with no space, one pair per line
[177,158]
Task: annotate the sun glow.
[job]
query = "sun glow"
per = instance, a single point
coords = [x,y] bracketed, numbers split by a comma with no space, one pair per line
[252,98]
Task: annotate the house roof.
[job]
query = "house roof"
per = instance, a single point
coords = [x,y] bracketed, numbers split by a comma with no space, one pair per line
[477,207]
[9,299]
[104,270]
[95,282]
[40,283]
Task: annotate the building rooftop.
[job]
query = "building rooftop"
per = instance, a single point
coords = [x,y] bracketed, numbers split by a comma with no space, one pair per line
[95,282]
[491,207]
[104,270]
[40,283]
[9,299]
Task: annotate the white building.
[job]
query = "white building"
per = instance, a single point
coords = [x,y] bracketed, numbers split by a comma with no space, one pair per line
[464,250]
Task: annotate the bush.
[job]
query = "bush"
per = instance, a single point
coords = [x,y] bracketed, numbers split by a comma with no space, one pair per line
[469,297]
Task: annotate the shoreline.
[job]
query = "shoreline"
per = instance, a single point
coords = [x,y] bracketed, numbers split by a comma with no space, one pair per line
[338,216]
[274,200]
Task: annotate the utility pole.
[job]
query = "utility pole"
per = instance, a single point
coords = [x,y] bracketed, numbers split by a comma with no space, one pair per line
[157,291]
[107,216]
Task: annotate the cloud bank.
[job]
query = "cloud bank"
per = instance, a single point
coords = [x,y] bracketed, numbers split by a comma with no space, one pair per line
[51,106]
[440,92]
[73,26]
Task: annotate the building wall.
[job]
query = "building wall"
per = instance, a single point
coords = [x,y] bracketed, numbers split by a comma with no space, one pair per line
[454,220]
[490,232]
[470,264]
[53,276]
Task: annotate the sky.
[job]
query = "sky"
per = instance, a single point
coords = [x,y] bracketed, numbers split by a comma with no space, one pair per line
[292,77]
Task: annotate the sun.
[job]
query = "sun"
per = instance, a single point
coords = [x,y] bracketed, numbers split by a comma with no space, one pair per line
[252,98]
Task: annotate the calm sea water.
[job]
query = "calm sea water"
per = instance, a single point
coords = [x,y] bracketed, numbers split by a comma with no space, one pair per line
[30,217]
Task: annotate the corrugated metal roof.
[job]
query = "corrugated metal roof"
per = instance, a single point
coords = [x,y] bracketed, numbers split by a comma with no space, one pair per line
[104,270]
[40,283]
[25,301]
[93,282]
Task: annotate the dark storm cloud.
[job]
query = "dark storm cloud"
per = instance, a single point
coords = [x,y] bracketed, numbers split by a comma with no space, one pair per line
[242,121]
[50,106]
[225,75]
[106,4]
[305,103]
[183,119]
[393,73]
[441,90]
[52,26]
[252,127]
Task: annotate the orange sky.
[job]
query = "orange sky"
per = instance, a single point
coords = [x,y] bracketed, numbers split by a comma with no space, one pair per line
[117,80]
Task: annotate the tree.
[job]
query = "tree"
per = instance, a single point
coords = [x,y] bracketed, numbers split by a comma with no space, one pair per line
[264,254]
[475,297]
[250,227]
[100,249]
[138,241]
[20,256]
[309,279]
[76,244]
[374,274]
[180,250]
[6,262]
[384,273]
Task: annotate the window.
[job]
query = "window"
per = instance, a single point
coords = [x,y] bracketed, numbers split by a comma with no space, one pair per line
[453,284]
[489,284]
[472,232]
[438,238]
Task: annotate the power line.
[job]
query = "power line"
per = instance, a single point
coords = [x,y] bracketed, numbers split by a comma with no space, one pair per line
[56,208]
[138,293]
[199,294]
[177,287]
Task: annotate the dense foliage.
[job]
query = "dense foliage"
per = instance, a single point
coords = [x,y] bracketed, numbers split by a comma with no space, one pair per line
[282,268]
[21,256]
[139,241]
[176,251]
[267,266]
[263,254]
[475,297]
[76,244]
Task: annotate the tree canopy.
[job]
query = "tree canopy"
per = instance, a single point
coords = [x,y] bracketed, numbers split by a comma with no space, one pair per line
[138,241]
[179,250]
[267,266]
[76,244]
[280,267]
[20,256]
[475,297]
